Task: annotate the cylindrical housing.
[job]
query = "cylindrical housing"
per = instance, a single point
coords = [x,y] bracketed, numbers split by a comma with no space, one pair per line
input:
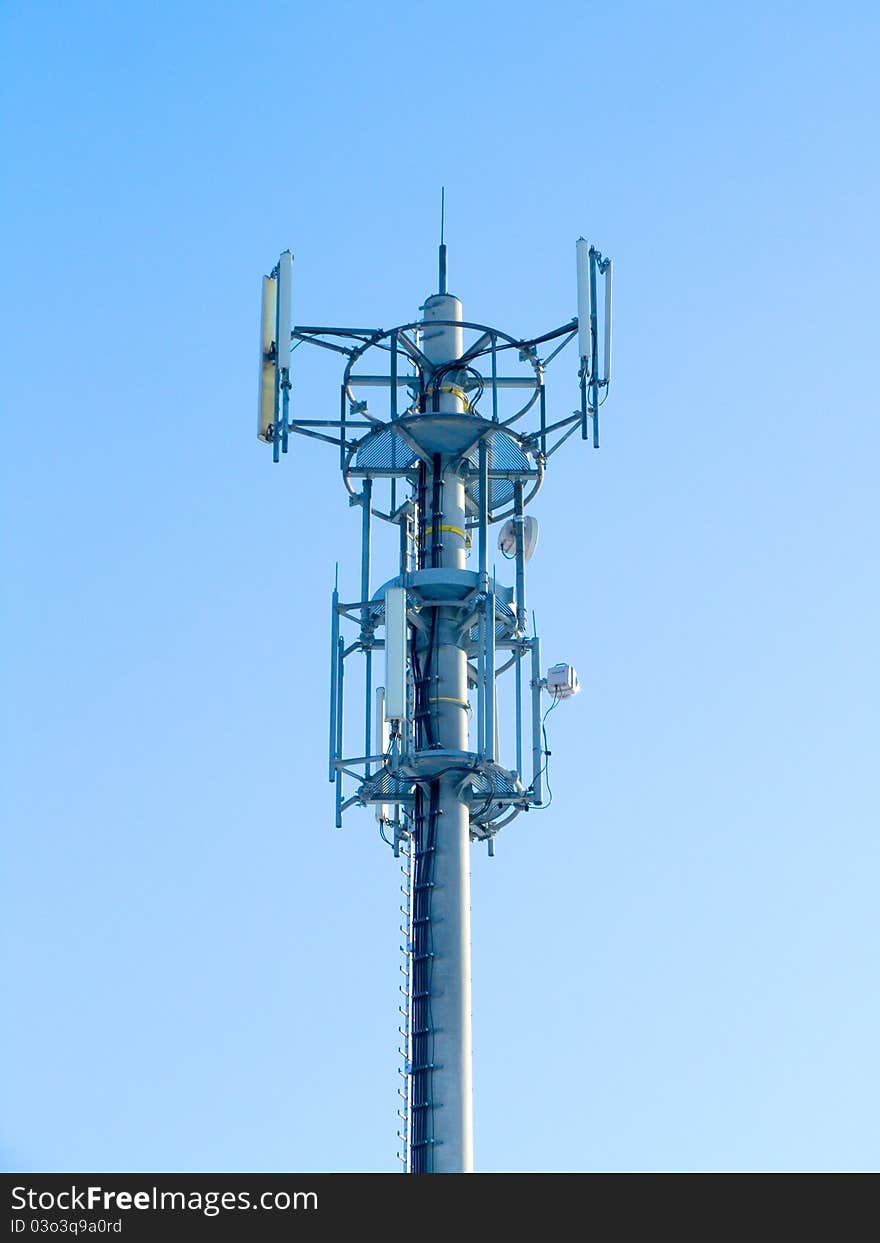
[383,810]
[443,344]
[334,679]
[537,732]
[489,733]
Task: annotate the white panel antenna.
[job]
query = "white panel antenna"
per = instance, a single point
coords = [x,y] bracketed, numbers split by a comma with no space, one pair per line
[584,303]
[268,376]
[285,266]
[395,654]
[591,265]
[609,270]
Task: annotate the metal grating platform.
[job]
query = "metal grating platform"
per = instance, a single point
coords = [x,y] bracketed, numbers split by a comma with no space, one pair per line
[505,453]
[384,450]
[386,787]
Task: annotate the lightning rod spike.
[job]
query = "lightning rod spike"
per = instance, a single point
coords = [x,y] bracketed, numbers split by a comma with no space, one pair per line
[442,242]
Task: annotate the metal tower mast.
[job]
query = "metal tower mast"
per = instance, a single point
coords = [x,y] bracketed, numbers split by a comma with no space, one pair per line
[451,454]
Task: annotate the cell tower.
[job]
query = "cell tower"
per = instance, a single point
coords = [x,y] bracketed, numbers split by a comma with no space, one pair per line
[445,456]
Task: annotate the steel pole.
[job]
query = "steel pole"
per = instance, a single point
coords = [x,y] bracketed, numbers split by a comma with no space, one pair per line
[449,1008]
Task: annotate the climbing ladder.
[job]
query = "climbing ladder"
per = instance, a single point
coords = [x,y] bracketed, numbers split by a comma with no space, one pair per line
[404,846]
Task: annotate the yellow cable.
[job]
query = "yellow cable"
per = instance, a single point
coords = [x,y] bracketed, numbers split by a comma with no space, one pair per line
[455,531]
[448,699]
[454,392]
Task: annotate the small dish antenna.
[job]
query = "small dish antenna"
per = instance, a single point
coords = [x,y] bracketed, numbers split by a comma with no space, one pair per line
[507,538]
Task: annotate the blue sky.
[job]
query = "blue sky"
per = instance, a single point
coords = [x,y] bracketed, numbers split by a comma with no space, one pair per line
[674,966]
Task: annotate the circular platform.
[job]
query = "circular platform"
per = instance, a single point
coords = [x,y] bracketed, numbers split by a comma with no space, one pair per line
[392,451]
